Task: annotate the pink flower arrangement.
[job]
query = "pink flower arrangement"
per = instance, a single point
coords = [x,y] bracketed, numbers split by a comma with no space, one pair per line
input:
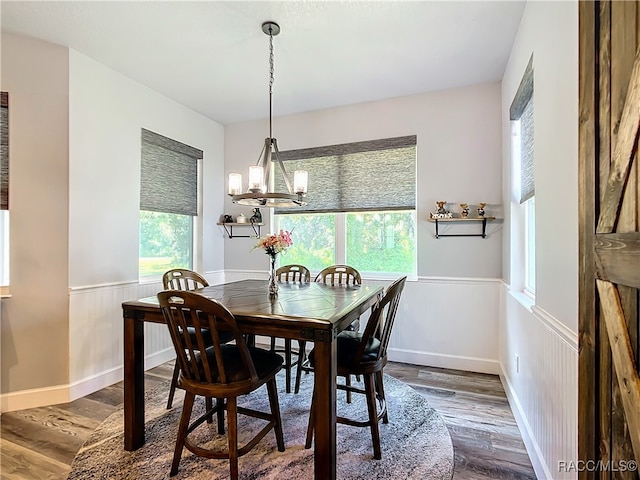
[275,243]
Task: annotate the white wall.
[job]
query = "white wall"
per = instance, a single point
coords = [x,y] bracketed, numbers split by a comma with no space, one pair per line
[75,175]
[543,387]
[35,330]
[107,112]
[459,155]
[104,206]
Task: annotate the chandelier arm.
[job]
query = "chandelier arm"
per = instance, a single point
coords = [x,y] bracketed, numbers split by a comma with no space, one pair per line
[261,156]
[284,170]
[267,162]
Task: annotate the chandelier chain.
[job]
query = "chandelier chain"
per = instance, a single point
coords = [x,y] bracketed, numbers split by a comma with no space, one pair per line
[270,81]
[271,70]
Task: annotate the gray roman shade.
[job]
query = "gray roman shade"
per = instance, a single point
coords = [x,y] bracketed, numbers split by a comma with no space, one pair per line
[363,176]
[169,175]
[4,151]
[522,109]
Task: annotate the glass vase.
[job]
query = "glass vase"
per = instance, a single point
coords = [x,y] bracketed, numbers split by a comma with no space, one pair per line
[273,284]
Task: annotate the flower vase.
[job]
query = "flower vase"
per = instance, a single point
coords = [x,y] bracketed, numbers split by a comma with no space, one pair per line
[273,285]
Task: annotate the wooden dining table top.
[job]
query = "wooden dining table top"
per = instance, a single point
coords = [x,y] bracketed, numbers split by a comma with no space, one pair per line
[304,307]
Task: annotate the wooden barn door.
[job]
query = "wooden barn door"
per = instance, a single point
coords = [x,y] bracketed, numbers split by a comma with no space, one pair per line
[609,386]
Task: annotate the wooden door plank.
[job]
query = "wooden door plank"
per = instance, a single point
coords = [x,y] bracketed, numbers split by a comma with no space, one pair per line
[624,47]
[604,98]
[588,433]
[623,153]
[618,258]
[627,376]
[604,372]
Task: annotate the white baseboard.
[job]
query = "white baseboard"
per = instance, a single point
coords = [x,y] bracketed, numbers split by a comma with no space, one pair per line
[439,360]
[532,446]
[40,397]
[158,358]
[36,397]
[95,383]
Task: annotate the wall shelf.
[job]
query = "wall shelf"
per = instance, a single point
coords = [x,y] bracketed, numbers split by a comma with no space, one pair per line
[229,229]
[483,220]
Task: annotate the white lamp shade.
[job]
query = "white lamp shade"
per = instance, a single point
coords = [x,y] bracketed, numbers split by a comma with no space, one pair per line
[300,179]
[256,178]
[235,184]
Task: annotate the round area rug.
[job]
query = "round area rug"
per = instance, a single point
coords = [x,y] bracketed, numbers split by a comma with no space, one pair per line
[415,443]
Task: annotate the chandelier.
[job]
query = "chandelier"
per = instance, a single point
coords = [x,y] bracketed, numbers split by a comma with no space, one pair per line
[257,193]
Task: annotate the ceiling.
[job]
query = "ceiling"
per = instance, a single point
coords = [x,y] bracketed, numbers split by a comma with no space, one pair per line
[213,57]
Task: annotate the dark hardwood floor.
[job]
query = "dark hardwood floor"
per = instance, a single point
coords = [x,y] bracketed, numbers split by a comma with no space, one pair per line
[40,443]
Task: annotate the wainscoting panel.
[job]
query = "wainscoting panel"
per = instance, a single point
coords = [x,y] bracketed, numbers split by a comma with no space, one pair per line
[96,334]
[96,348]
[448,323]
[539,361]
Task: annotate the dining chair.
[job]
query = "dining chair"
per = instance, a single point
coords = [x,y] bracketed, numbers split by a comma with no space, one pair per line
[335,275]
[366,354]
[294,274]
[222,370]
[186,280]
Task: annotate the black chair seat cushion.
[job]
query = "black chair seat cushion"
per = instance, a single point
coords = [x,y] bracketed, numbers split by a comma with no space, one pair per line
[265,363]
[347,346]
[225,337]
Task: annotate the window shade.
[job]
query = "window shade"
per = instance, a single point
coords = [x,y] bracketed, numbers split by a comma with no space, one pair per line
[169,175]
[522,109]
[4,151]
[363,176]
[527,177]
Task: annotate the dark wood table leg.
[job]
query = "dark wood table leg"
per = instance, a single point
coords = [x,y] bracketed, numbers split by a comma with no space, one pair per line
[325,408]
[133,382]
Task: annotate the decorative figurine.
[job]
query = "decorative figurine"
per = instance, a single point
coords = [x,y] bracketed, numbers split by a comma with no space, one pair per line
[481,209]
[441,212]
[464,212]
[228,219]
[257,216]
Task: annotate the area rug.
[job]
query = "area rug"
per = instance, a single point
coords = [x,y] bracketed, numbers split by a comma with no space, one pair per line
[415,443]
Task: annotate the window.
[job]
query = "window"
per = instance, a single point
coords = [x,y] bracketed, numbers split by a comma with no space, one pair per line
[361,207]
[4,192]
[168,204]
[522,119]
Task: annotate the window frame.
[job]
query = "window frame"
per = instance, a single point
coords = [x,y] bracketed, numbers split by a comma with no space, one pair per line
[524,218]
[529,274]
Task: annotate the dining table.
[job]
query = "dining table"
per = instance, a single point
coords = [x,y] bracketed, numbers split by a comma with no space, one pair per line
[315,312]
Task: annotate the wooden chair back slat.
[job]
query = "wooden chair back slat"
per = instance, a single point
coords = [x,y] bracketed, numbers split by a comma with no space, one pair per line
[183,279]
[337,275]
[381,320]
[188,315]
[293,273]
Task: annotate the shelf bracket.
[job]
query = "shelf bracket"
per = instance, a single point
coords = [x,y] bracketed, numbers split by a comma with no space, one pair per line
[483,234]
[228,227]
